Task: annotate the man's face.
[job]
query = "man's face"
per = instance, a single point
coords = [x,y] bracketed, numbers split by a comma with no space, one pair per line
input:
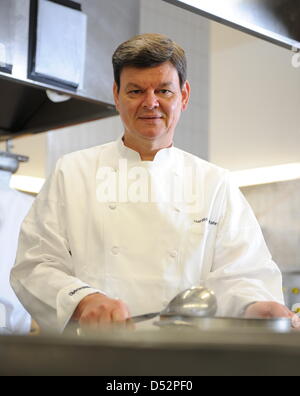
[150,101]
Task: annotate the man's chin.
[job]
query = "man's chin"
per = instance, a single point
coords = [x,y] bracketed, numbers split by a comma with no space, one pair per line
[151,134]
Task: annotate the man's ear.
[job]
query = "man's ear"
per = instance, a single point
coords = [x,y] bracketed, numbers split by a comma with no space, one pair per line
[186,93]
[116,95]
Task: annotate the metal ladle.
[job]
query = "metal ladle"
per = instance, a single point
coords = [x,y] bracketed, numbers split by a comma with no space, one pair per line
[197,301]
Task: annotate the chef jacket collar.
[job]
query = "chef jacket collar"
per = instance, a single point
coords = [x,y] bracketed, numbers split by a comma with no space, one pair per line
[163,157]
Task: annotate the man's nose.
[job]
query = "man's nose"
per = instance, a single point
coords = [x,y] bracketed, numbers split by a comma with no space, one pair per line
[150,101]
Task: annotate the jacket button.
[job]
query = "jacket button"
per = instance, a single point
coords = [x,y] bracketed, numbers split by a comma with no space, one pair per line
[115,250]
[165,303]
[174,254]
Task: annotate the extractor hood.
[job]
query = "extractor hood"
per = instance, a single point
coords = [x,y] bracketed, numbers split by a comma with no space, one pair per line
[277,21]
[26,108]
[42,44]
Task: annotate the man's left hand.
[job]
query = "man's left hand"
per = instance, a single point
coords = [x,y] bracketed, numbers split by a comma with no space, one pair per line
[271,310]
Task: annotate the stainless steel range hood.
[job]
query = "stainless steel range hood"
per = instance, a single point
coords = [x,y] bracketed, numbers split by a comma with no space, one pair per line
[277,21]
[26,109]
[26,101]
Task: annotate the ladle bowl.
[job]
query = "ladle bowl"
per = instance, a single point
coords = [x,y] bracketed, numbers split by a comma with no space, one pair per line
[197,301]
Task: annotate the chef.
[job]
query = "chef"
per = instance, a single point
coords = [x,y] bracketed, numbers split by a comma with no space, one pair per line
[120,229]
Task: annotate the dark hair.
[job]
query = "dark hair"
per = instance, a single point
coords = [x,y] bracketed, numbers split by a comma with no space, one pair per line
[149,50]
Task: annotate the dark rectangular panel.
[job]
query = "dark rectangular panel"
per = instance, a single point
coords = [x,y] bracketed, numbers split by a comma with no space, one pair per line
[57,42]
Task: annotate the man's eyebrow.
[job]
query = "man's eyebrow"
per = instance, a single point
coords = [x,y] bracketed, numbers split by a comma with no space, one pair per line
[163,85]
[167,84]
[132,85]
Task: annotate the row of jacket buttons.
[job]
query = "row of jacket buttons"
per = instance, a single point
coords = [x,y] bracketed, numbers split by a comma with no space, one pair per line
[114,207]
[116,250]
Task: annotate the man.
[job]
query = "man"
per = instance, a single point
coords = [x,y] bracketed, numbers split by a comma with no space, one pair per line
[120,229]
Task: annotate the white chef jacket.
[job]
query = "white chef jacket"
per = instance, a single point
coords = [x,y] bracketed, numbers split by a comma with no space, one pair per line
[74,243]
[14,206]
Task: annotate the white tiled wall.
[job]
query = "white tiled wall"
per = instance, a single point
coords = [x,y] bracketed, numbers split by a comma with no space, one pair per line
[81,137]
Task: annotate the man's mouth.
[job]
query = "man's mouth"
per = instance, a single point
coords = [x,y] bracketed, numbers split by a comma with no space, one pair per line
[151,117]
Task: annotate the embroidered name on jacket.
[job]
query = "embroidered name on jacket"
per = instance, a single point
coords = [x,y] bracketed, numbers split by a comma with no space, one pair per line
[77,290]
[205,220]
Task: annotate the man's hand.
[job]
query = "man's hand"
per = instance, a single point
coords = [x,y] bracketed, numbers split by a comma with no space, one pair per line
[97,310]
[271,310]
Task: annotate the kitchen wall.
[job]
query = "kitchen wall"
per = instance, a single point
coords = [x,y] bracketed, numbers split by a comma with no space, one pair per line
[35,147]
[80,137]
[276,206]
[254,102]
[192,32]
[277,209]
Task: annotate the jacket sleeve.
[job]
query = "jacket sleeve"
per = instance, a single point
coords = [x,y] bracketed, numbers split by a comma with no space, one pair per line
[43,275]
[242,271]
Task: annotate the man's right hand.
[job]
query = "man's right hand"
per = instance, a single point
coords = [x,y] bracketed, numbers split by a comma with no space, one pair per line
[98,310]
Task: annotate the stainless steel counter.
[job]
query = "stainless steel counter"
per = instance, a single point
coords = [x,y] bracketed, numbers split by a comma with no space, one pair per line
[153,352]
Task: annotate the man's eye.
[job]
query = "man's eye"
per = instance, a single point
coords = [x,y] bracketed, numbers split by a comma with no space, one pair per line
[135,92]
[165,92]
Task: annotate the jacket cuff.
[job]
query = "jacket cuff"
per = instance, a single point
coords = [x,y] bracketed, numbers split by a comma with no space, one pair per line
[243,311]
[68,300]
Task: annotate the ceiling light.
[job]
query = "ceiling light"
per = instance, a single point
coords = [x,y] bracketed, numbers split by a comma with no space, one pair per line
[27,184]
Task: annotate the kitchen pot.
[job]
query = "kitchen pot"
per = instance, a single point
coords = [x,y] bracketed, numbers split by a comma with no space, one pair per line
[277,325]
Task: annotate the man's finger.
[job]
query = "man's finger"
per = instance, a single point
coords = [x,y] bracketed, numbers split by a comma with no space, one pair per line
[296,322]
[104,318]
[118,316]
